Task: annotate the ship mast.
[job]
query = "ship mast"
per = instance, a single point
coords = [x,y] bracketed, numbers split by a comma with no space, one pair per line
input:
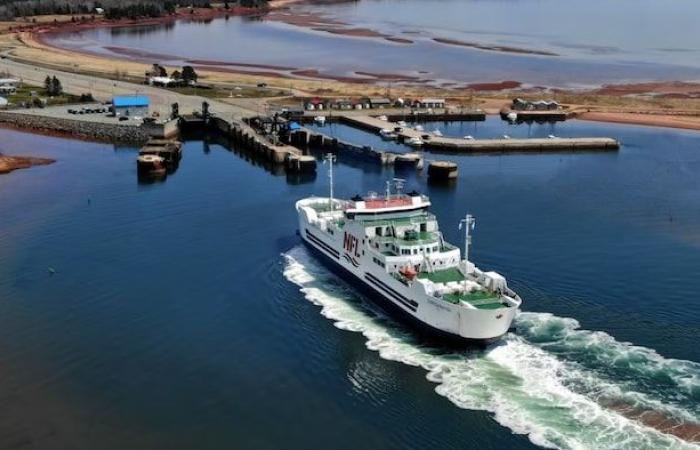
[330,159]
[469,221]
[398,185]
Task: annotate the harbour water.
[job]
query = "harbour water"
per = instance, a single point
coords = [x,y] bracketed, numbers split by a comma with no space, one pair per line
[591,48]
[186,314]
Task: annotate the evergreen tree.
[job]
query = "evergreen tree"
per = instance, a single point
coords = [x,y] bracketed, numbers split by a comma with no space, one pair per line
[188,74]
[56,88]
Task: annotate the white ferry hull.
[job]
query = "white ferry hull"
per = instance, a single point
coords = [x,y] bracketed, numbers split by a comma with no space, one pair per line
[435,315]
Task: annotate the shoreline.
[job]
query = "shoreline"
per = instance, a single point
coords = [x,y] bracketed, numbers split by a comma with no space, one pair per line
[670,104]
[10,163]
[677,122]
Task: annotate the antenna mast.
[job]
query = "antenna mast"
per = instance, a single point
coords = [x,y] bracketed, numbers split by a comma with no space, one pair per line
[468,223]
[398,185]
[330,158]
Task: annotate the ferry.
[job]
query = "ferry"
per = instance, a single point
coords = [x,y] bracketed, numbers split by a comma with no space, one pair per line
[391,247]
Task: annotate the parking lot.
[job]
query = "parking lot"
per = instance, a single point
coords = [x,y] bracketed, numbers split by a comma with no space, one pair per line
[89,112]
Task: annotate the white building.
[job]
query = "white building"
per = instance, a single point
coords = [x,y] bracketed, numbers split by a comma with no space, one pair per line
[8,85]
[431,103]
[161,81]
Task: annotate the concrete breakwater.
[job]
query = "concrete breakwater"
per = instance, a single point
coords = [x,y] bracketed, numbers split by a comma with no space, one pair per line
[451,144]
[437,170]
[110,132]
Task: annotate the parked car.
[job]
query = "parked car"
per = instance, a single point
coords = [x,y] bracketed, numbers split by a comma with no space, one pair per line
[123,118]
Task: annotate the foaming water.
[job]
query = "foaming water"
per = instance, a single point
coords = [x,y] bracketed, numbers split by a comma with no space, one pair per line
[562,386]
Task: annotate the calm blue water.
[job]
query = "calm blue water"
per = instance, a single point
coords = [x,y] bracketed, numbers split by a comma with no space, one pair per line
[597,41]
[179,313]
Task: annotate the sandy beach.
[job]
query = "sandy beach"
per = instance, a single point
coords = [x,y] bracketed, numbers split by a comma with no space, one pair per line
[686,122]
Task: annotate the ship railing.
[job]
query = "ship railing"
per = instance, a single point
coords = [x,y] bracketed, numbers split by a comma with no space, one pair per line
[410,220]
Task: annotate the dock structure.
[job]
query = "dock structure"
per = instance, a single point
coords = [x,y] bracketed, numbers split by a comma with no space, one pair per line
[244,134]
[442,171]
[483,145]
[168,149]
[515,115]
[396,114]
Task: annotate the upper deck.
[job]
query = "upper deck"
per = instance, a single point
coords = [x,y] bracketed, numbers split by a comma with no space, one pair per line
[390,203]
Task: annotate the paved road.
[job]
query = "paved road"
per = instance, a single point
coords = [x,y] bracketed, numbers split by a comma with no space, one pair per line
[103,89]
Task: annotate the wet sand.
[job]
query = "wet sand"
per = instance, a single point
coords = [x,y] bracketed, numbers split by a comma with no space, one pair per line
[209,62]
[10,163]
[496,86]
[387,76]
[494,48]
[677,89]
[313,73]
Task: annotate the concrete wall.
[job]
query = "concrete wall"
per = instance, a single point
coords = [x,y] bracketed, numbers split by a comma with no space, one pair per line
[166,130]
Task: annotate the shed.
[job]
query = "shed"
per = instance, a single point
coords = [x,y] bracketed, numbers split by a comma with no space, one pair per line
[131,105]
[343,104]
[520,104]
[431,103]
[540,105]
[379,102]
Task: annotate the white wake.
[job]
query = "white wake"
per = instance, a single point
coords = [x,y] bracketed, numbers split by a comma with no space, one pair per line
[556,401]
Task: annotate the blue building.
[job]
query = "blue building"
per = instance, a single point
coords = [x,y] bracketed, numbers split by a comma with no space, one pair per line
[131,105]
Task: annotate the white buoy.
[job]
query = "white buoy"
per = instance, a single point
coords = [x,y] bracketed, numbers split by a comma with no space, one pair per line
[512,116]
